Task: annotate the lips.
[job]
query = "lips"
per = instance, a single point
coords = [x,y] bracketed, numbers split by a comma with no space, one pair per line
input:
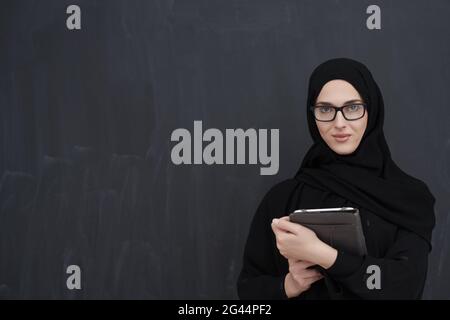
[341,137]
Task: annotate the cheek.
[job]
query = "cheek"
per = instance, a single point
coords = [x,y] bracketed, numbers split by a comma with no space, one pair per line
[360,127]
[323,128]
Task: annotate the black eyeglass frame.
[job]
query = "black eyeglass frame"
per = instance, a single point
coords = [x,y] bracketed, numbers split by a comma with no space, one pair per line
[336,109]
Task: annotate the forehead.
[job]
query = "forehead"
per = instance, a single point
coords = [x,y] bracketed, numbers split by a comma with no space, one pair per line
[338,91]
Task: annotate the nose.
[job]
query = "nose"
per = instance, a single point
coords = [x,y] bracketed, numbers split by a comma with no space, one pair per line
[339,121]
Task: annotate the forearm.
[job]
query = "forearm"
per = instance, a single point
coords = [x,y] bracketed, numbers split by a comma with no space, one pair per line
[322,254]
[400,274]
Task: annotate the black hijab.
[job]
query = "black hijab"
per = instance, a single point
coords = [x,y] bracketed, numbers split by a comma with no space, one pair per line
[367,177]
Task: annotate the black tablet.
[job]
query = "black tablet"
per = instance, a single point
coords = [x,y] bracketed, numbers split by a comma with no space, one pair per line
[338,227]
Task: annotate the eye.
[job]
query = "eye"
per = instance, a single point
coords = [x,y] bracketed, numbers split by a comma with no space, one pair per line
[354,107]
[324,109]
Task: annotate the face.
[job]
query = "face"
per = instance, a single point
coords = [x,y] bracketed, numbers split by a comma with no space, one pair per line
[337,93]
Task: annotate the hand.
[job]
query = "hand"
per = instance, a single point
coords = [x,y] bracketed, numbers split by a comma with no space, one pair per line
[297,242]
[294,241]
[299,279]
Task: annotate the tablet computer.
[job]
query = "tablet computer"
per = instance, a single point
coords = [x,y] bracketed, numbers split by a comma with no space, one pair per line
[338,227]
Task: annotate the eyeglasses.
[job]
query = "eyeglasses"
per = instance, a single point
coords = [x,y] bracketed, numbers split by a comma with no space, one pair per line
[351,112]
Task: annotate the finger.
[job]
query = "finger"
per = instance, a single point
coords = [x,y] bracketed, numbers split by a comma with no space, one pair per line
[286,225]
[274,224]
[311,280]
[304,264]
[274,227]
[277,229]
[310,273]
[285,218]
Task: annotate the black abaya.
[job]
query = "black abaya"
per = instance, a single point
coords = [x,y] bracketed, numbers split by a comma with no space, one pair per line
[396,209]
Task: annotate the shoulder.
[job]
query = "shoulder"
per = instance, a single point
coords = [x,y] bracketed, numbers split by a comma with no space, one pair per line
[281,188]
[278,195]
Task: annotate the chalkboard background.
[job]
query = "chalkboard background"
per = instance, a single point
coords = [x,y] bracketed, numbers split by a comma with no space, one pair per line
[86,117]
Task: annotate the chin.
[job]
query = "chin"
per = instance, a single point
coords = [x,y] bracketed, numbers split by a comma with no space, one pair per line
[343,150]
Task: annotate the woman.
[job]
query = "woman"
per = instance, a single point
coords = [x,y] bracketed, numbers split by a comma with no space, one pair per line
[349,165]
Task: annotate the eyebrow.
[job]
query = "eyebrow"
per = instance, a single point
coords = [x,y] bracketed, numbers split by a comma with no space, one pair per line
[330,104]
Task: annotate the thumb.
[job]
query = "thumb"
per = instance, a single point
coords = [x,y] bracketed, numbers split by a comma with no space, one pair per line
[286,225]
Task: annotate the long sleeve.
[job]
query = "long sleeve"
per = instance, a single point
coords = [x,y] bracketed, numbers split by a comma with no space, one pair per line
[259,277]
[402,270]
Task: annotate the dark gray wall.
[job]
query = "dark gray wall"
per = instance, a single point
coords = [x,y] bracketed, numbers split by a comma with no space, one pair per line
[86,118]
